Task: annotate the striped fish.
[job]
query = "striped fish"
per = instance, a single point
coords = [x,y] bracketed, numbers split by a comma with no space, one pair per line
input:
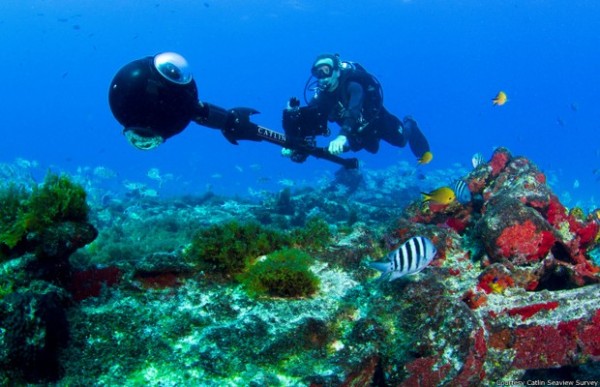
[410,258]
[462,192]
[477,160]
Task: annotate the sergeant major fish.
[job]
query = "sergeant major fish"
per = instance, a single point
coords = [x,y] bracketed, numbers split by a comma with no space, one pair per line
[462,192]
[411,257]
[477,160]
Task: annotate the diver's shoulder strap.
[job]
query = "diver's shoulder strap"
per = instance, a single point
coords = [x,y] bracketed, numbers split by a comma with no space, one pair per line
[354,71]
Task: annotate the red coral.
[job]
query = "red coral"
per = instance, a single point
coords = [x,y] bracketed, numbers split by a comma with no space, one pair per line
[89,283]
[454,272]
[362,376]
[499,161]
[590,336]
[457,224]
[586,232]
[569,328]
[474,299]
[477,184]
[425,372]
[540,178]
[500,339]
[472,372]
[531,286]
[529,310]
[158,280]
[525,240]
[531,352]
[556,212]
[495,281]
[567,343]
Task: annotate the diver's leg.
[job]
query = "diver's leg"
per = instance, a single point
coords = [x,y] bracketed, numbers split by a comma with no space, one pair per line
[416,139]
[392,130]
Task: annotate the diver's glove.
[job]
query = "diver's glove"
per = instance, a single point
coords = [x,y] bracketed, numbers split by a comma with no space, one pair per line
[337,146]
[285,152]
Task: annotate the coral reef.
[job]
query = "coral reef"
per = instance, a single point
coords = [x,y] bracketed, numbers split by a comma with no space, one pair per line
[215,290]
[35,330]
[39,230]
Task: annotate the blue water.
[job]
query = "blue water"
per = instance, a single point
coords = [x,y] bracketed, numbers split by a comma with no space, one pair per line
[439,61]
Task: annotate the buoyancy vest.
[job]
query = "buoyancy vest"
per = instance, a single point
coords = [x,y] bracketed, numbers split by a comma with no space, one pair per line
[373,92]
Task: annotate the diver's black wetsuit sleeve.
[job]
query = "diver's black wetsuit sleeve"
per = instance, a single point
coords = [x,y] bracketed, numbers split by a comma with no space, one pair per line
[349,119]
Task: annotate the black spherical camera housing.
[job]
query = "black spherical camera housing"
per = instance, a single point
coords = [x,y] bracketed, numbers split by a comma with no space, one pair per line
[154,96]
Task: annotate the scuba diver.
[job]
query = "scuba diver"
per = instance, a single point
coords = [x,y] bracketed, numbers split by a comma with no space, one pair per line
[351,97]
[155,98]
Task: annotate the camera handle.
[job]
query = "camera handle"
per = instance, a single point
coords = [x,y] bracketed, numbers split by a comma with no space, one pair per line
[235,125]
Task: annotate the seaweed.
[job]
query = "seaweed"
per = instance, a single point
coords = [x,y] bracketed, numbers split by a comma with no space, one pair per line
[58,199]
[228,248]
[12,207]
[314,236]
[284,273]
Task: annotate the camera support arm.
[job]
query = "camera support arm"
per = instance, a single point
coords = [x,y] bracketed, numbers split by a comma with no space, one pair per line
[235,125]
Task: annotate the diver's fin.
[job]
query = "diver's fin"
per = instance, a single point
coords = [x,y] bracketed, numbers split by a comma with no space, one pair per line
[416,139]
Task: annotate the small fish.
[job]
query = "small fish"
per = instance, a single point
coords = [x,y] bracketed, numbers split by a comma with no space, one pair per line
[411,257]
[574,106]
[477,160]
[500,99]
[154,174]
[442,195]
[461,189]
[426,158]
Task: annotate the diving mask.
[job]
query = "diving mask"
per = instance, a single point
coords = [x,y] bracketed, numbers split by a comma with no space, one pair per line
[331,82]
[326,70]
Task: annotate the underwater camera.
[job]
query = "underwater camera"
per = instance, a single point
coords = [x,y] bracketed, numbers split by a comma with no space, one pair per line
[303,123]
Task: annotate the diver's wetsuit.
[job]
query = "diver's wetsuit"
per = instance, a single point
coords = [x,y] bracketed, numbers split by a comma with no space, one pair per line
[364,120]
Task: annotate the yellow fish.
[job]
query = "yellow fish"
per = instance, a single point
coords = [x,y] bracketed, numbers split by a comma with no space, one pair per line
[426,158]
[500,99]
[442,195]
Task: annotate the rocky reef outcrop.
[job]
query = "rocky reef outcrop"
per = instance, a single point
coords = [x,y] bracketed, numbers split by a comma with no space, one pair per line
[223,291]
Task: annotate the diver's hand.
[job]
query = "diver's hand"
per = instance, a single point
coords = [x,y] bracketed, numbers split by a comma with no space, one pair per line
[337,146]
[285,152]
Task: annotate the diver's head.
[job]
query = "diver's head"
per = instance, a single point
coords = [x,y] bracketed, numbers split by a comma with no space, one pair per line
[326,68]
[154,98]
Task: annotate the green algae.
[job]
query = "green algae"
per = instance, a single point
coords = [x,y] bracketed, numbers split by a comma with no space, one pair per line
[228,248]
[284,273]
[314,236]
[22,212]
